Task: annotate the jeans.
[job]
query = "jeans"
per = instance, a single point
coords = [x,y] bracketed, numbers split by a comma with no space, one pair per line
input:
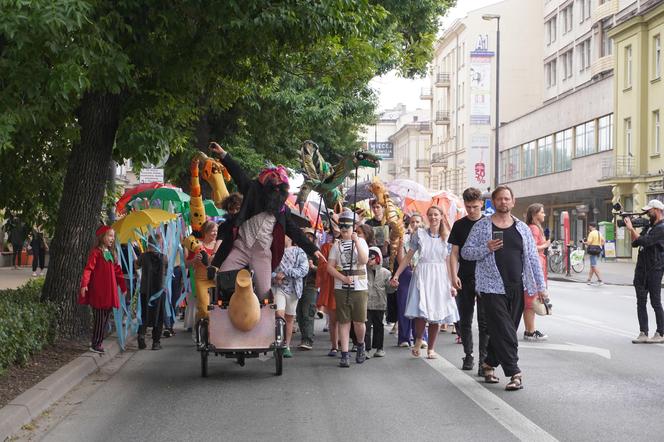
[306,314]
[375,334]
[503,314]
[652,283]
[466,305]
[38,258]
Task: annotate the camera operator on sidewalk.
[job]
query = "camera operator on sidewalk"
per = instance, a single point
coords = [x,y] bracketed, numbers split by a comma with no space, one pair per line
[649,270]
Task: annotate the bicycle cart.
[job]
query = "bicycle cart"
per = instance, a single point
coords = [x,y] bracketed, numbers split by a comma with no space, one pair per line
[217,336]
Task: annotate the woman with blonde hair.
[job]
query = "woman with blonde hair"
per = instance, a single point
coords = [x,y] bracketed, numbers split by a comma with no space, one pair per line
[535,218]
[430,294]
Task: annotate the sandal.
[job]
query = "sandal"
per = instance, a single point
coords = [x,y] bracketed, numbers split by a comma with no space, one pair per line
[415,350]
[514,383]
[432,354]
[489,374]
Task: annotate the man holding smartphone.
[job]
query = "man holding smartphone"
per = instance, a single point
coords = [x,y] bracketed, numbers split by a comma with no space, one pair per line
[506,263]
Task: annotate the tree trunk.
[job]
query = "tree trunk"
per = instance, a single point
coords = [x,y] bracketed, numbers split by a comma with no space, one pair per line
[80,210]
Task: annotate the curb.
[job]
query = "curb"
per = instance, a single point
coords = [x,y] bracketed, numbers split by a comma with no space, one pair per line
[569,279]
[33,402]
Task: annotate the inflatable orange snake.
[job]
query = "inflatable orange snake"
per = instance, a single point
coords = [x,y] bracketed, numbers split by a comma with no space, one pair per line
[393,216]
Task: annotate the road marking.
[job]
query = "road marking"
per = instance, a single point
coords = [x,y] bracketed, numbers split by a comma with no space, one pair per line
[515,422]
[576,320]
[570,346]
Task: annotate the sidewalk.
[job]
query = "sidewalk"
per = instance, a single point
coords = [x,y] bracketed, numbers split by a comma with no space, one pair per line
[11,279]
[614,272]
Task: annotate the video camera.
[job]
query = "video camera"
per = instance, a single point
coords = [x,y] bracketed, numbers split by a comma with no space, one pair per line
[637,218]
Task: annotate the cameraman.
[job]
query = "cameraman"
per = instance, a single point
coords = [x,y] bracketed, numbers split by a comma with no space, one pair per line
[649,270]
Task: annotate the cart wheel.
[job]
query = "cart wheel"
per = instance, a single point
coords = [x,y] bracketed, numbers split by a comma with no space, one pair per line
[279,361]
[204,363]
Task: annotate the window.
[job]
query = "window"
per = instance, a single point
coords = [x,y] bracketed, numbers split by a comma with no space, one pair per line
[583,50]
[628,66]
[551,74]
[656,136]
[567,18]
[529,159]
[606,47]
[566,60]
[564,150]
[605,133]
[628,136]
[585,139]
[657,56]
[504,156]
[550,30]
[545,155]
[514,164]
[584,10]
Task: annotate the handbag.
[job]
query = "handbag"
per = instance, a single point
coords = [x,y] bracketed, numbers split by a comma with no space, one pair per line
[542,308]
[594,250]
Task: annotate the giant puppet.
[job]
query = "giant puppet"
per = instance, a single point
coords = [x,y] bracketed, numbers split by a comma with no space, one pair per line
[393,216]
[256,237]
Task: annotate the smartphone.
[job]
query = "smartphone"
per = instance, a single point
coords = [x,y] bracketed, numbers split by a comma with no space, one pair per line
[497,235]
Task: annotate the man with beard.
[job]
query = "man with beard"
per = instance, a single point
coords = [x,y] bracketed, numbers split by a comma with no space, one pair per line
[257,237]
[507,261]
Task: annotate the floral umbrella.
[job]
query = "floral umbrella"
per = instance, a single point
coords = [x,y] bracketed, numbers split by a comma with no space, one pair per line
[121,205]
[408,189]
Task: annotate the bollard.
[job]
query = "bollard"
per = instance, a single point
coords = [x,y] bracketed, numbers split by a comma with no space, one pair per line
[568,264]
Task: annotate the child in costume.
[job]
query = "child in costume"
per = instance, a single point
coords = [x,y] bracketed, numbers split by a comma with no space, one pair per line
[99,286]
[378,278]
[153,265]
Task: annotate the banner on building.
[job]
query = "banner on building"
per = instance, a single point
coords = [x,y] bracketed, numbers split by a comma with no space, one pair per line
[384,149]
[480,87]
[478,165]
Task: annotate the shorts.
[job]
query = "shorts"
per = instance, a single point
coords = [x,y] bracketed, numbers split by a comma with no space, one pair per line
[351,305]
[593,260]
[285,302]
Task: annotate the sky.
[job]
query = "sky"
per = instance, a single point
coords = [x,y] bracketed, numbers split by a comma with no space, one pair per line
[392,89]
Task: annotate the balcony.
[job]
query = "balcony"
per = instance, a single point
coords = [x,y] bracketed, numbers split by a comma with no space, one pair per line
[443,80]
[392,168]
[601,65]
[622,166]
[605,10]
[422,165]
[424,127]
[443,117]
[438,160]
[426,93]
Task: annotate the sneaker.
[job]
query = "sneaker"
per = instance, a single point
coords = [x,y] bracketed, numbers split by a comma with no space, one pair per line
[325,329]
[395,329]
[589,282]
[468,362]
[305,346]
[167,333]
[156,346]
[361,355]
[319,314]
[354,348]
[332,353]
[641,339]
[424,345]
[344,362]
[534,336]
[367,355]
[405,344]
[99,349]
[380,353]
[34,274]
[600,283]
[287,353]
[657,338]
[141,343]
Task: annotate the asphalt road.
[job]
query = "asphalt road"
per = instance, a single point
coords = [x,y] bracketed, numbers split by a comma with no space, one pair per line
[588,382]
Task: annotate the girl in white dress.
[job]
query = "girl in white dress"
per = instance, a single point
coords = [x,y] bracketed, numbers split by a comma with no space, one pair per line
[430,294]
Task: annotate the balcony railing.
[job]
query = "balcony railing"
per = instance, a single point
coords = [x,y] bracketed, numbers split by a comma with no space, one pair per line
[623,166]
[422,164]
[392,168]
[424,126]
[442,80]
[437,160]
[442,117]
[426,94]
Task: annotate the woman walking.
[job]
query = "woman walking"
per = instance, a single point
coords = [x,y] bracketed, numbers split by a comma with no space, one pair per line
[535,218]
[430,295]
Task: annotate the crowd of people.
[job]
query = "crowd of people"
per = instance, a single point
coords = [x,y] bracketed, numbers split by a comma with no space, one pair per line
[445,270]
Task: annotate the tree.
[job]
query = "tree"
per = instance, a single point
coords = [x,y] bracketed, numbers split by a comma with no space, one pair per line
[132,79]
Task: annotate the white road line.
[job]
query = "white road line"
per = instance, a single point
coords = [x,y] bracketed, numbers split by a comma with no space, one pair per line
[516,423]
[569,346]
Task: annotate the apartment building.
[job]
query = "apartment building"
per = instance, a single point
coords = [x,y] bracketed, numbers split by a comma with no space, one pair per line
[554,154]
[635,170]
[463,91]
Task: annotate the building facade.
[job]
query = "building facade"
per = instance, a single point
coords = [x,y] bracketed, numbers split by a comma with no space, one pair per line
[636,169]
[463,90]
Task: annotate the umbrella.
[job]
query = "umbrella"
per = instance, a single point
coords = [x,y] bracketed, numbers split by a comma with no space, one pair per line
[124,199]
[450,204]
[359,194]
[140,220]
[409,189]
[165,195]
[310,211]
[212,210]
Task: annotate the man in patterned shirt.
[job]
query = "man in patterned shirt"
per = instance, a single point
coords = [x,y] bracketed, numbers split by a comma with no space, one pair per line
[507,260]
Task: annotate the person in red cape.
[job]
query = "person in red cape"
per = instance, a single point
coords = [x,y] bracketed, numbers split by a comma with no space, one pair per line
[99,286]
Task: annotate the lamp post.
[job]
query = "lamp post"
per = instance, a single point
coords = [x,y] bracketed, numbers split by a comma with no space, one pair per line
[496,157]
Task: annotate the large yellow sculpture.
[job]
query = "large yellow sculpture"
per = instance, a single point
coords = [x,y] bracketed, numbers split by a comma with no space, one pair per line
[244,310]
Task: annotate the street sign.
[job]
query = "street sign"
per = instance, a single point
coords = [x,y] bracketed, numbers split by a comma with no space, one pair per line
[151,175]
[384,149]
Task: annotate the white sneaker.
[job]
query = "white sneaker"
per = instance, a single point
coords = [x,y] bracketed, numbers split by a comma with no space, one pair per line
[656,339]
[404,344]
[380,353]
[424,345]
[34,274]
[641,339]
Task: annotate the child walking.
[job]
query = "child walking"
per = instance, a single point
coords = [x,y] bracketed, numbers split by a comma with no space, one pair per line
[99,286]
[378,278]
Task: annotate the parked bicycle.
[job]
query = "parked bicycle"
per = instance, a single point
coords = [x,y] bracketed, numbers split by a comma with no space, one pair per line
[557,259]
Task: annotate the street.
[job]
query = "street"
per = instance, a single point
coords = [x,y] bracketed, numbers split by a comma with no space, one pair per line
[588,382]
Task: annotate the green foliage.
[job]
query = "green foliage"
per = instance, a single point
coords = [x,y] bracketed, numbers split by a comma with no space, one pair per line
[26,324]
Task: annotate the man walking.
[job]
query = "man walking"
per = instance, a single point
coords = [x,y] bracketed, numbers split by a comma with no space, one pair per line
[649,270]
[507,260]
[464,281]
